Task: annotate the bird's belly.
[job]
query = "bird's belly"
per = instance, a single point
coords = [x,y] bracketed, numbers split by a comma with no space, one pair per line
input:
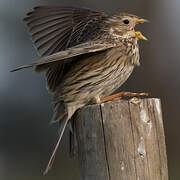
[98,75]
[118,79]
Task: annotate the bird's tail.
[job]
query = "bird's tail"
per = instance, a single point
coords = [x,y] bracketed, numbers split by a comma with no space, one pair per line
[63,114]
[62,128]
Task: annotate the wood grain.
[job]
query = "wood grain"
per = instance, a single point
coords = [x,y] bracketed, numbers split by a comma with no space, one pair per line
[122,140]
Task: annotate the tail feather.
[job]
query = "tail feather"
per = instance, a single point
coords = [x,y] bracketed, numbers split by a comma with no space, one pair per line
[62,128]
[60,112]
[66,114]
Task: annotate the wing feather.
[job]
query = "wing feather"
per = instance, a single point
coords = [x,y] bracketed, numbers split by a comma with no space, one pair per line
[59,34]
[45,24]
[65,55]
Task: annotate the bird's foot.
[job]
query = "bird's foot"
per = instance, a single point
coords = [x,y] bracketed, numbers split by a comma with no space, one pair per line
[122,95]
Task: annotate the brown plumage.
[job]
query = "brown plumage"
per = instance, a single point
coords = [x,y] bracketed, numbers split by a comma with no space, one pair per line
[87,55]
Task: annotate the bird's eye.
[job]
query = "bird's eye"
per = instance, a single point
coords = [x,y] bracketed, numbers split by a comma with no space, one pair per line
[126,21]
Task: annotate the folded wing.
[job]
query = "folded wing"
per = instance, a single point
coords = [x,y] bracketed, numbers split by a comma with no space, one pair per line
[69,53]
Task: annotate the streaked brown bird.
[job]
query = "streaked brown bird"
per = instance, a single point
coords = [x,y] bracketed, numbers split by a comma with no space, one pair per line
[87,55]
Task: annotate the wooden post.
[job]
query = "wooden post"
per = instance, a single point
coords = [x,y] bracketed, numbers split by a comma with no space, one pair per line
[122,140]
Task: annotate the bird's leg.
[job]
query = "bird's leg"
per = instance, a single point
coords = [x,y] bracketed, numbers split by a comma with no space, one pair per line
[120,95]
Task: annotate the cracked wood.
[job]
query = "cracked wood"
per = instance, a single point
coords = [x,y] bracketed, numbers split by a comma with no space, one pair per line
[122,140]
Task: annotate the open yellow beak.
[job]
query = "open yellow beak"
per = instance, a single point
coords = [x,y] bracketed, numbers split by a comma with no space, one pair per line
[139,34]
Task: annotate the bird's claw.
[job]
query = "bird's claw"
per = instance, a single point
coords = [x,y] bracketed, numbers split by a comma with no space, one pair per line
[121,95]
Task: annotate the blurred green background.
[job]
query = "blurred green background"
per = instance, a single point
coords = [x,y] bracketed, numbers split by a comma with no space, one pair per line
[27,139]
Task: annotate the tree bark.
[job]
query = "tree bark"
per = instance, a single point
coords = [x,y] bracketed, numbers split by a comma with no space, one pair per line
[121,140]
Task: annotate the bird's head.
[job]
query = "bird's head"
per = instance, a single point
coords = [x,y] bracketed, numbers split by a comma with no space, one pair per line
[123,25]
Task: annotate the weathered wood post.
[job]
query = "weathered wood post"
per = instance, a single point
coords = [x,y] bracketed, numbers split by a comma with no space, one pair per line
[122,140]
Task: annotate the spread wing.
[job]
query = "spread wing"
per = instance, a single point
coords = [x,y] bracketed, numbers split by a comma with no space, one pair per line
[61,33]
[54,29]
